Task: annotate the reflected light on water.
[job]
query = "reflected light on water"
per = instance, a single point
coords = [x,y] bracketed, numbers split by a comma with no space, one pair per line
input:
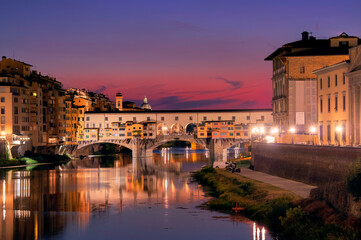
[258,233]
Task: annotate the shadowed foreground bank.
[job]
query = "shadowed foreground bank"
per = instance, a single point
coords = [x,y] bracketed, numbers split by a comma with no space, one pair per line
[282,211]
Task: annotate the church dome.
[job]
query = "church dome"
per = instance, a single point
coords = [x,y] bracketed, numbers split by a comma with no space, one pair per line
[145,104]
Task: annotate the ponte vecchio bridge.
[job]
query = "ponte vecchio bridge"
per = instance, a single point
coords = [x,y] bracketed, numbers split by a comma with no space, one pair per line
[168,119]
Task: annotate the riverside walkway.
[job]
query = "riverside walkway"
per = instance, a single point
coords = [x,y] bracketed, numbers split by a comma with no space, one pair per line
[301,189]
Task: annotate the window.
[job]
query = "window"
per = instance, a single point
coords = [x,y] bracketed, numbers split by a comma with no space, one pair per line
[16,119]
[248,117]
[106,118]
[16,100]
[134,119]
[328,103]
[148,118]
[343,79]
[2,119]
[205,118]
[321,104]
[16,110]
[320,83]
[2,110]
[321,131]
[2,99]
[344,131]
[162,118]
[335,80]
[336,102]
[120,119]
[328,132]
[176,118]
[302,69]
[328,82]
[344,101]
[87,118]
[219,118]
[191,118]
[234,118]
[336,133]
[262,118]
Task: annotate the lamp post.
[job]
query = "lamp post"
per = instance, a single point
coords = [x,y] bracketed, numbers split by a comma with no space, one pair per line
[292,130]
[313,131]
[339,131]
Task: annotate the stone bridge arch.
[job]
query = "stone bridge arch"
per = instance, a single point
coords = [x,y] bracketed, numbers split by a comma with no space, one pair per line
[149,146]
[82,146]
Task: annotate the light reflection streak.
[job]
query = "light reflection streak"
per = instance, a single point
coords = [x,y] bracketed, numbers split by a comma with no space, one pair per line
[258,234]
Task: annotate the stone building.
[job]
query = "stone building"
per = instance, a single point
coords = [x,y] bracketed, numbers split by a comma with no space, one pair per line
[354,77]
[333,104]
[32,105]
[294,84]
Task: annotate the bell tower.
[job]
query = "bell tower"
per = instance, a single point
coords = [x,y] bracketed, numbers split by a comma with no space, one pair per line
[119,101]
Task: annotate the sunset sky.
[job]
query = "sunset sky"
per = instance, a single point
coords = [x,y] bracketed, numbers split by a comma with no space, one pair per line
[185,54]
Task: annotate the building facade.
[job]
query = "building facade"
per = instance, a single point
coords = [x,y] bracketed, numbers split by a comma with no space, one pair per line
[294,102]
[150,124]
[354,77]
[32,105]
[333,104]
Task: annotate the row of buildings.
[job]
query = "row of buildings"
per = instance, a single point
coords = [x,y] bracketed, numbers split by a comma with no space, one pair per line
[114,125]
[36,107]
[316,85]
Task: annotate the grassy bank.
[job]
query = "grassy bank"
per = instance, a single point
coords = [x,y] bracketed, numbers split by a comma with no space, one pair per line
[34,159]
[282,211]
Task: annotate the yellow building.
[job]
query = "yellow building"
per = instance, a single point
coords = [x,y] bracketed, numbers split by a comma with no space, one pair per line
[294,83]
[137,130]
[77,103]
[333,104]
[31,104]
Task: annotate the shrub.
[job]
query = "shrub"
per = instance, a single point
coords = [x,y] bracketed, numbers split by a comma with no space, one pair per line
[354,179]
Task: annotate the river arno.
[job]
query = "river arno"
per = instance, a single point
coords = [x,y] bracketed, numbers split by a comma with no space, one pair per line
[115,198]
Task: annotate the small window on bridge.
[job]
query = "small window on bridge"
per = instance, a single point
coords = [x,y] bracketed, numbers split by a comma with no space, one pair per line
[120,119]
[106,118]
[234,118]
[176,118]
[219,118]
[205,118]
[248,118]
[191,118]
[162,118]
[134,119]
[148,118]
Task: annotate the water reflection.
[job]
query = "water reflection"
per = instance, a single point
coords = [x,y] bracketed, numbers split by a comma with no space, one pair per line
[64,200]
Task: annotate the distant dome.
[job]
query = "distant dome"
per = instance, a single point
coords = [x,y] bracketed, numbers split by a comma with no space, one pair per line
[145,104]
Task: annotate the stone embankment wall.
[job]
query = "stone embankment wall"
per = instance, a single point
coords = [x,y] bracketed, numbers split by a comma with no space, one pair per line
[322,166]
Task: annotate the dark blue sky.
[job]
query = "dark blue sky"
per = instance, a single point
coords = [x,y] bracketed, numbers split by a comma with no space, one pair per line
[181,54]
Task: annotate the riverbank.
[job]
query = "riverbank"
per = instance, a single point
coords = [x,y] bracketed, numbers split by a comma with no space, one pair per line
[282,211]
[34,159]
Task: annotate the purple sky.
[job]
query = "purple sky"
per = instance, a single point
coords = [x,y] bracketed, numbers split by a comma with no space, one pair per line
[180,54]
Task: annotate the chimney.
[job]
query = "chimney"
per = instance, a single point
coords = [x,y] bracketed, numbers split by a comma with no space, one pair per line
[304,36]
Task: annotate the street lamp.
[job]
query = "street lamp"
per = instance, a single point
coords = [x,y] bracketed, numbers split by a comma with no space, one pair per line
[292,130]
[313,131]
[339,131]
[274,131]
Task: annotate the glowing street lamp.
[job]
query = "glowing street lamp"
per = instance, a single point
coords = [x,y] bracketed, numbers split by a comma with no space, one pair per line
[339,131]
[313,131]
[274,131]
[292,130]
